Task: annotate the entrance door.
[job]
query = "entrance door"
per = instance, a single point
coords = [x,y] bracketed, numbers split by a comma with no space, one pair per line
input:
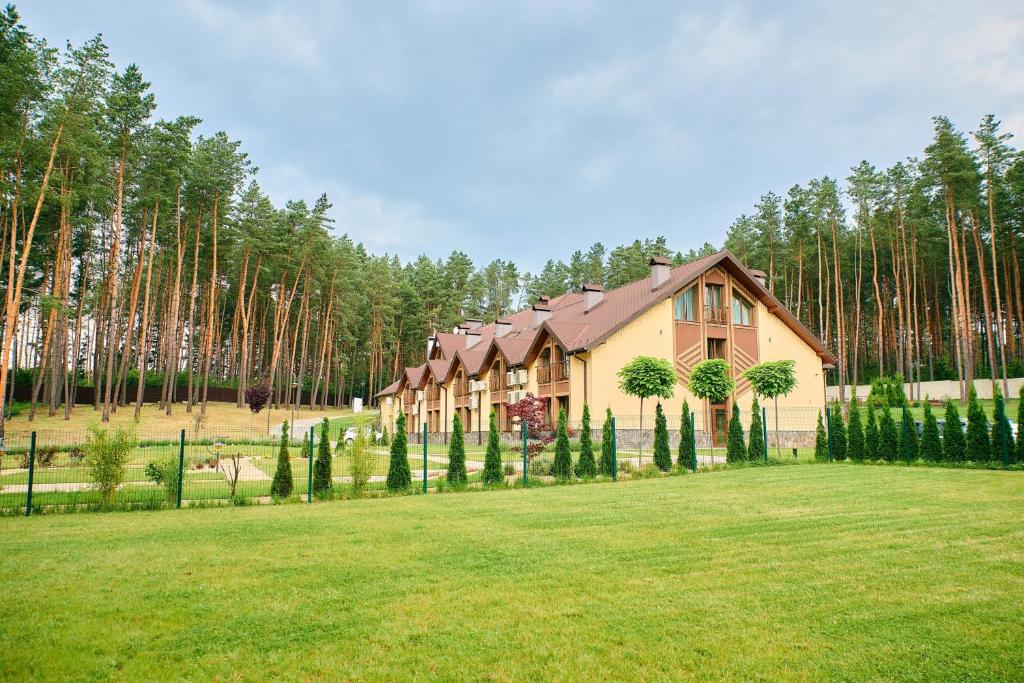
[719,425]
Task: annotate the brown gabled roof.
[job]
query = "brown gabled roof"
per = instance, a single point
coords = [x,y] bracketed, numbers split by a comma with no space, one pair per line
[416,375]
[440,369]
[390,389]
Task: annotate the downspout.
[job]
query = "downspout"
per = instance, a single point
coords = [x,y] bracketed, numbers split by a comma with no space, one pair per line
[479,416]
[445,426]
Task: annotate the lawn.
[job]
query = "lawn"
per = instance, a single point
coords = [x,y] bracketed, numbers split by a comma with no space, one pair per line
[807,572]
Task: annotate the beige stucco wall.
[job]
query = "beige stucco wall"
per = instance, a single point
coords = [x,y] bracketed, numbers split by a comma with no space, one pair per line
[776,341]
[389,413]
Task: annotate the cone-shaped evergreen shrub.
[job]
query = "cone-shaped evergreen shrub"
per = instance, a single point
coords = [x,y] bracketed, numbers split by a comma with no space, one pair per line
[820,441]
[908,437]
[756,447]
[607,445]
[282,484]
[685,458]
[954,445]
[931,445]
[888,435]
[1002,437]
[855,434]
[662,451]
[492,459]
[385,438]
[1020,427]
[586,466]
[871,436]
[838,433]
[736,450]
[304,453]
[457,455]
[562,467]
[979,447]
[399,476]
[322,465]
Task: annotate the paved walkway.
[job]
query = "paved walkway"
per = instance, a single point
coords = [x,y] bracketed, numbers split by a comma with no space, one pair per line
[246,470]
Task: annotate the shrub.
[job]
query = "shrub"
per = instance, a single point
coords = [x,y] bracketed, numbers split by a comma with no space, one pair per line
[538,468]
[711,379]
[871,436]
[855,434]
[493,472]
[662,452]
[979,447]
[820,441]
[649,471]
[887,390]
[562,467]
[281,486]
[361,463]
[1002,437]
[164,473]
[838,430]
[931,446]
[888,437]
[757,449]
[322,479]
[909,449]
[258,396]
[954,445]
[106,454]
[457,455]
[735,451]
[509,470]
[1020,427]
[607,445]
[685,457]
[385,438]
[399,476]
[586,467]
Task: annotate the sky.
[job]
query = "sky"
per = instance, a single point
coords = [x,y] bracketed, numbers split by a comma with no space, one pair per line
[527,130]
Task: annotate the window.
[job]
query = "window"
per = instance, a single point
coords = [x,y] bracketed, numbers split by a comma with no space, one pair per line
[686,306]
[716,348]
[742,311]
[713,295]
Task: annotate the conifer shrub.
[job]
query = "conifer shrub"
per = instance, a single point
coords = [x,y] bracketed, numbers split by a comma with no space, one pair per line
[399,477]
[871,436]
[736,450]
[979,446]
[586,466]
[888,436]
[360,458]
[457,455]
[1020,427]
[855,434]
[493,473]
[820,441]
[607,464]
[931,444]
[1002,437]
[954,445]
[561,468]
[322,478]
[282,484]
[909,448]
[685,452]
[662,452]
[838,430]
[385,438]
[756,447]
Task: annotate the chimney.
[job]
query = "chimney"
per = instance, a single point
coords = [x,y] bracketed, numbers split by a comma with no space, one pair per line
[541,312]
[472,323]
[659,271]
[592,296]
[544,299]
[502,326]
[472,338]
[760,276]
[431,340]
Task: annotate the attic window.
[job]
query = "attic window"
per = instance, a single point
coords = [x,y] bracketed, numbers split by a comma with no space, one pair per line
[742,311]
[686,305]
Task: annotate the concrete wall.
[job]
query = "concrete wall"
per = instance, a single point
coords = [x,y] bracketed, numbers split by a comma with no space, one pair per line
[940,389]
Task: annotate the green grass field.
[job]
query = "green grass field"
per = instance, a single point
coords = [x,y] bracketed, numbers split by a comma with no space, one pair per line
[810,572]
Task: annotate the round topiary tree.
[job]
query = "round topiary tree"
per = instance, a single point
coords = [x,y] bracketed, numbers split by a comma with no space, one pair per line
[954,445]
[855,434]
[871,436]
[282,484]
[772,379]
[399,477]
[756,447]
[979,446]
[710,380]
[931,445]
[685,453]
[586,466]
[820,441]
[607,464]
[662,452]
[322,481]
[492,458]
[646,377]
[888,435]
[457,455]
[562,467]
[735,451]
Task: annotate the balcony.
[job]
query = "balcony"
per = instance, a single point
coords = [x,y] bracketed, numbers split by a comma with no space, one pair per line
[497,381]
[716,315]
[556,372]
[461,388]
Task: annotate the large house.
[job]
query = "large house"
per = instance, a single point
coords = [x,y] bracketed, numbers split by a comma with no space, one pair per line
[567,350]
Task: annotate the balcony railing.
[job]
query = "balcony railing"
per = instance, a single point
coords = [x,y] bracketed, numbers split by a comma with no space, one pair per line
[461,388]
[557,372]
[497,381]
[716,315]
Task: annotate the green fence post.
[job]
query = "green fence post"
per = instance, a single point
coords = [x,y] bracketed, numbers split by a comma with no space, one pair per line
[181,464]
[828,425]
[526,452]
[693,443]
[309,479]
[31,473]
[424,457]
[764,431]
[615,451]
